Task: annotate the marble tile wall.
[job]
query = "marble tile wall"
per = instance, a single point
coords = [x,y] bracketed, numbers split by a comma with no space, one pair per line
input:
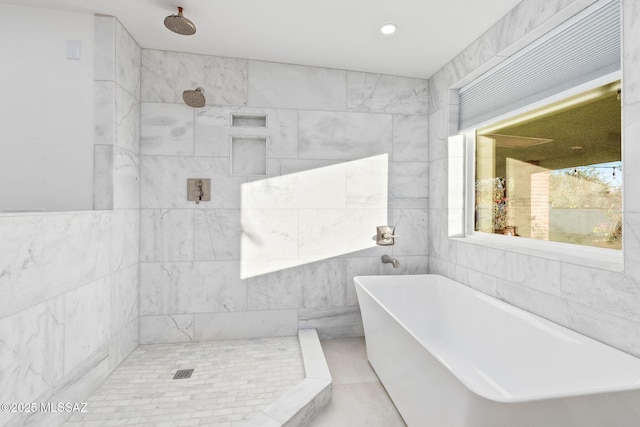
[597,302]
[346,151]
[69,311]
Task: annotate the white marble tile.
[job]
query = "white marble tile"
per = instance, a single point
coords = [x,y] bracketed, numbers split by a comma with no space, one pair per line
[44,255]
[519,24]
[277,85]
[548,306]
[269,234]
[410,138]
[249,324]
[125,238]
[126,179]
[105,48]
[438,136]
[482,282]
[324,233]
[124,298]
[360,266]
[103,177]
[298,406]
[439,84]
[541,274]
[104,99]
[164,182]
[412,225]
[214,129]
[165,75]
[166,234]
[438,187]
[249,156]
[167,129]
[217,234]
[184,287]
[440,245]
[478,57]
[497,263]
[603,290]
[127,121]
[31,351]
[378,93]
[314,188]
[123,343]
[409,184]
[324,283]
[631,51]
[367,182]
[278,167]
[87,322]
[343,136]
[335,322]
[169,328]
[128,57]
[279,289]
[631,242]
[608,328]
[631,153]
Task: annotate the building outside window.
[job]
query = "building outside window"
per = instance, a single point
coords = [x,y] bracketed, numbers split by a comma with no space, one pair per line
[554,173]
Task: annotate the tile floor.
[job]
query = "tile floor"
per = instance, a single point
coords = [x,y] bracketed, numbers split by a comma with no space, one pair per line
[232,381]
[359,399]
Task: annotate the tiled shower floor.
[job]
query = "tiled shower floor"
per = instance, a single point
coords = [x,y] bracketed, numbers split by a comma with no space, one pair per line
[232,381]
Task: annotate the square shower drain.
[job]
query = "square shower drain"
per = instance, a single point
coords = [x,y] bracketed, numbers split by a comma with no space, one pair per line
[183,373]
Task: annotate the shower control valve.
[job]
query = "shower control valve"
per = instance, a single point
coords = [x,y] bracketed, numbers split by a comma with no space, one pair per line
[385,236]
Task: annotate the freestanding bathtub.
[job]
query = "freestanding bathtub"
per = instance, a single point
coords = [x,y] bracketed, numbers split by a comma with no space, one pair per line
[451,356]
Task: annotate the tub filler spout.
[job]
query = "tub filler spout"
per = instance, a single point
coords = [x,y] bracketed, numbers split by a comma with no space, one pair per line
[386,259]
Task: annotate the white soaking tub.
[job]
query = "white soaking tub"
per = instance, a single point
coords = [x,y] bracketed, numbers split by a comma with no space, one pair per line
[451,356]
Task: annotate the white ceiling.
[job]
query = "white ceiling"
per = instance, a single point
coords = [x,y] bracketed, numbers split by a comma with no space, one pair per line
[341,34]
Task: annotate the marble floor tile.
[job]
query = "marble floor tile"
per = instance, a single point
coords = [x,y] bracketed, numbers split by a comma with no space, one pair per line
[232,381]
[359,399]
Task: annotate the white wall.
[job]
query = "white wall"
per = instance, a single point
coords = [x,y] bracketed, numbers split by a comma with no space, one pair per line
[46,111]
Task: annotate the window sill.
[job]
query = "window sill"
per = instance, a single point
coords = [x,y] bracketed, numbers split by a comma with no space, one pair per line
[601,258]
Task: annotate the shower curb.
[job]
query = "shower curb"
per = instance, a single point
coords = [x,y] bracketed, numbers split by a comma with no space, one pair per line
[300,404]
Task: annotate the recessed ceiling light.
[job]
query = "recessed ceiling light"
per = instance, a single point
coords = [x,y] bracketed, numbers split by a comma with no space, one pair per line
[388,29]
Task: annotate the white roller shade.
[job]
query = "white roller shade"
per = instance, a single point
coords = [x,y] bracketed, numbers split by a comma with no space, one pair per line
[586,48]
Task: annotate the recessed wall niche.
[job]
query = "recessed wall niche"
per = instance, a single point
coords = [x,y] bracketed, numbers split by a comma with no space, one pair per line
[248,155]
[248,120]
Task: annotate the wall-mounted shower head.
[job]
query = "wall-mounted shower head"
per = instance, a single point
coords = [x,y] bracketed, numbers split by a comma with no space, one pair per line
[194,98]
[179,24]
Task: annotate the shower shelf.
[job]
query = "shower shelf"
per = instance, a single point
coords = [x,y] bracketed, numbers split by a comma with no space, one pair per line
[248,120]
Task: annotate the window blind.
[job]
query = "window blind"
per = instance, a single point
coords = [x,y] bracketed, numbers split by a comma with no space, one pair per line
[585,49]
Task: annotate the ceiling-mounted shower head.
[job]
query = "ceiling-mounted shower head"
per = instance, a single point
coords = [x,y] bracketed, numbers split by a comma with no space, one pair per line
[194,98]
[179,24]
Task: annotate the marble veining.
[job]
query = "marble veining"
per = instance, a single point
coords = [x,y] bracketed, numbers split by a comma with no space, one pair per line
[410,138]
[213,130]
[631,52]
[377,93]
[165,75]
[127,73]
[167,129]
[276,85]
[87,322]
[216,234]
[126,120]
[167,234]
[31,355]
[343,136]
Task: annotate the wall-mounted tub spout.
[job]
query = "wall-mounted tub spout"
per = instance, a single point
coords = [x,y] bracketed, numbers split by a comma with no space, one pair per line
[390,260]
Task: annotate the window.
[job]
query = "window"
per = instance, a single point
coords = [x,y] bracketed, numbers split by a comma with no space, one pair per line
[554,173]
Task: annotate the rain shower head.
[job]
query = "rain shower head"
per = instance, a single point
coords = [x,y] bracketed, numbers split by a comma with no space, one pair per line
[179,24]
[194,98]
